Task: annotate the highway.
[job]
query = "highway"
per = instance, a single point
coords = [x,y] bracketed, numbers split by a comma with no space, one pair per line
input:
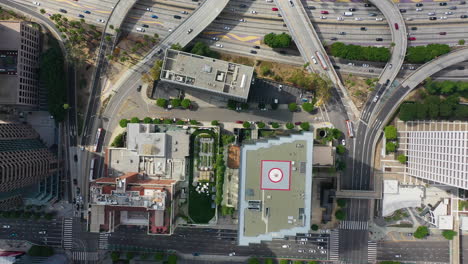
[416,251]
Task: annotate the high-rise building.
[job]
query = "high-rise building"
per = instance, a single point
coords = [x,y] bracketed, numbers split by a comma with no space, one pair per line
[19,54]
[24,161]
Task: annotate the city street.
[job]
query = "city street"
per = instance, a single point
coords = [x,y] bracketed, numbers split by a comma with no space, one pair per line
[429,251]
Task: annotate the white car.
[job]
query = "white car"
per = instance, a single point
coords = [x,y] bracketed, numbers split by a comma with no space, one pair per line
[365,65]
[323,252]
[390,66]
[100,20]
[311,250]
[449,13]
[149,9]
[378,19]
[184,12]
[443,18]
[253,12]
[37,3]
[323,17]
[350,64]
[232,254]
[357,18]
[302,242]
[285,246]
[319,247]
[339,18]
[419,9]
[219,45]
[42,232]
[343,142]
[215,38]
[409,19]
[300,251]
[6,226]
[242,20]
[227,28]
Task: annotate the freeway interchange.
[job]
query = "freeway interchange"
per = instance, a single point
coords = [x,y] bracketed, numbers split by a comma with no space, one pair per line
[310,30]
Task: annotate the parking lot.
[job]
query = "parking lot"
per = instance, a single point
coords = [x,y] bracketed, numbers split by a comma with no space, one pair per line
[266,91]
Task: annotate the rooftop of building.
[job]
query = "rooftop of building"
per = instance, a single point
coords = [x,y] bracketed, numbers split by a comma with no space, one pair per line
[10,37]
[206,73]
[324,155]
[275,188]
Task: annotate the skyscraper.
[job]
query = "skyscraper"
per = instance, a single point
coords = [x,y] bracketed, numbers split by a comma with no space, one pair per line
[24,161]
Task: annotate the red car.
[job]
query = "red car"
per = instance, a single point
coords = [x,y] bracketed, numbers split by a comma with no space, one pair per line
[324,12]
[239,122]
[274,9]
[411,38]
[298,123]
[396,26]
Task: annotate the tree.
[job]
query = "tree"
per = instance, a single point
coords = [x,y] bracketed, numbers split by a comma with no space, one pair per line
[402,158]
[147,120]
[66,106]
[135,120]
[172,259]
[308,107]
[340,165]
[253,261]
[305,126]
[461,111]
[231,104]
[432,103]
[449,234]
[176,46]
[421,232]
[246,124]
[340,214]
[245,106]
[215,123]
[159,256]
[275,125]
[292,107]
[461,42]
[407,112]
[284,261]
[390,147]
[260,125]
[156,121]
[289,125]
[186,103]
[40,251]
[161,102]
[180,122]
[115,256]
[268,261]
[194,122]
[390,132]
[119,141]
[130,255]
[341,202]
[298,262]
[340,149]
[123,123]
[314,227]
[42,11]
[273,40]
[202,49]
[175,102]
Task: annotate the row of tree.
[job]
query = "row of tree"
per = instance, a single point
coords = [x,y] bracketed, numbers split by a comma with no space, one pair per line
[273,40]
[423,54]
[433,107]
[446,87]
[356,52]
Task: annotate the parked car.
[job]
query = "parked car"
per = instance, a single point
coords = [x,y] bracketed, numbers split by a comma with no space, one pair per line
[239,122]
[6,226]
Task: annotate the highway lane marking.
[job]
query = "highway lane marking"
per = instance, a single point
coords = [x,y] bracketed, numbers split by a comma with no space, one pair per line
[364,122]
[232,36]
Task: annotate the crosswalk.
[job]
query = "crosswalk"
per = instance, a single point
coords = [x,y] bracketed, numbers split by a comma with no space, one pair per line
[334,245]
[371,252]
[67,233]
[354,225]
[103,240]
[86,256]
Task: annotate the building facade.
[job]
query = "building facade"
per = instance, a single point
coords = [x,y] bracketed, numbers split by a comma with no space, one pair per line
[19,56]
[24,161]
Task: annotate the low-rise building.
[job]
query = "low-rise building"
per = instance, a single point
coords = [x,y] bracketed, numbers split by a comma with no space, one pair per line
[218,77]
[275,188]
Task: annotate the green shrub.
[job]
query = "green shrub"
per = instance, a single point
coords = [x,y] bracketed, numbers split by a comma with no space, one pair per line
[161,102]
[308,107]
[314,227]
[340,149]
[260,125]
[246,124]
[186,103]
[449,234]
[341,202]
[390,147]
[175,102]
[275,125]
[147,120]
[123,123]
[390,132]
[421,232]
[402,158]
[305,126]
[340,215]
[215,123]
[292,107]
[289,125]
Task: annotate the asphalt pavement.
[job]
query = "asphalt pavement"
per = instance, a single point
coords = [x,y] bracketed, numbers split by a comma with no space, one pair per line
[418,251]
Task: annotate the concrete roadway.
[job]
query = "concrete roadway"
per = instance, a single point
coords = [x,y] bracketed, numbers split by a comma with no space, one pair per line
[28,229]
[417,251]
[216,242]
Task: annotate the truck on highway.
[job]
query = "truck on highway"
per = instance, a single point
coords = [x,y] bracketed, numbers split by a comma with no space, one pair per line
[321,60]
[348,13]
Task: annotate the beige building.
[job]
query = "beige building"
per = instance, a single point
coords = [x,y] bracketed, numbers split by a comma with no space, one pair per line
[19,55]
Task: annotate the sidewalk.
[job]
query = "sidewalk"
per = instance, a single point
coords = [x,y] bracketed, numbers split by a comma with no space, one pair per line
[401,233]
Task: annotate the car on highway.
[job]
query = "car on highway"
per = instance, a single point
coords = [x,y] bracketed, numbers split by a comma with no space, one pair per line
[154,16]
[80,16]
[189,31]
[323,252]
[311,250]
[239,122]
[87,12]
[37,3]
[274,9]
[443,33]
[396,26]
[462,2]
[320,247]
[75,182]
[5,226]
[241,20]
[215,38]
[195,254]
[350,64]
[311,7]
[253,51]
[419,4]
[453,8]
[372,14]
[411,67]
[414,28]
[367,5]
[403,10]
[378,18]
[42,232]
[139,29]
[379,39]
[149,9]
[339,18]
[301,251]
[302,242]
[371,70]
[357,18]
[432,18]
[13,235]
[145,25]
[412,38]
[313,59]
[100,20]
[409,234]
[443,4]
[184,12]
[333,38]
[256,47]
[463,16]
[390,66]
[398,256]
[177,17]
[431,13]
[419,9]
[63,10]
[227,28]
[219,45]
[242,5]
[342,33]
[443,18]
[376,98]
[365,65]
[363,28]
[285,246]
[253,12]
[139,88]
[352,9]
[324,12]
[449,13]
[320,240]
